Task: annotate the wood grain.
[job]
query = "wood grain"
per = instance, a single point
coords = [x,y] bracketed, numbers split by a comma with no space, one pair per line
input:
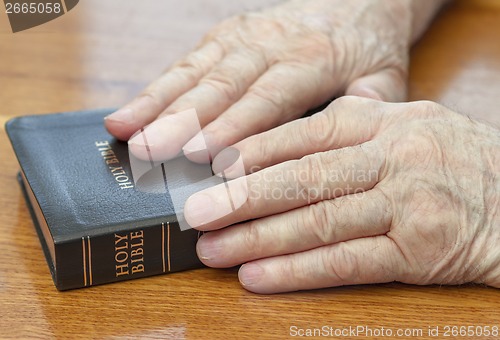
[102,53]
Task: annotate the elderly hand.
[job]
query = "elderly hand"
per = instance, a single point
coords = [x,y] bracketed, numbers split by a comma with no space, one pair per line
[259,70]
[363,192]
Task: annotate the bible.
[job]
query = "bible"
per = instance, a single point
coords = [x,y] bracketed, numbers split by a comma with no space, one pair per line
[94,225]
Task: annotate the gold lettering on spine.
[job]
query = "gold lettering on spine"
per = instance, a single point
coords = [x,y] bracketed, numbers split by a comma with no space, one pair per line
[110,158]
[129,253]
[137,252]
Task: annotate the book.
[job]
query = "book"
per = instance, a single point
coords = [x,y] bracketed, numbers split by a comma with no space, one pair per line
[94,225]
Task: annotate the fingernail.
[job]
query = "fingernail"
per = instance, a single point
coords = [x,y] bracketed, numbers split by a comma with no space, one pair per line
[209,247]
[196,144]
[199,209]
[123,115]
[215,202]
[138,139]
[197,149]
[250,274]
[229,164]
[153,134]
[225,160]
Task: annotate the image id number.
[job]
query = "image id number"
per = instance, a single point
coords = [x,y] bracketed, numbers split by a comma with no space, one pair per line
[32,8]
[471,331]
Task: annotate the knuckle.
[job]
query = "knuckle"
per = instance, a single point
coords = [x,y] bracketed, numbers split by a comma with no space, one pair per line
[256,194]
[194,60]
[426,108]
[188,72]
[287,270]
[318,131]
[152,97]
[252,240]
[322,223]
[272,96]
[265,149]
[230,125]
[341,263]
[192,67]
[227,87]
[346,102]
[311,175]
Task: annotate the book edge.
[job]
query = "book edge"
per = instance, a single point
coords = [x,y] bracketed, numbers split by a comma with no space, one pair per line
[39,232]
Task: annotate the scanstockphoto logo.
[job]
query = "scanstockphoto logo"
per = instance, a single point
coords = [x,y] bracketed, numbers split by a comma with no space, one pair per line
[26,14]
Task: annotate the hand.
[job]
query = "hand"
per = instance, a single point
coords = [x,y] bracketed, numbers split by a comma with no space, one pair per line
[259,70]
[363,192]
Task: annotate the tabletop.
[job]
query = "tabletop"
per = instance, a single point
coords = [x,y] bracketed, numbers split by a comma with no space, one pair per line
[102,53]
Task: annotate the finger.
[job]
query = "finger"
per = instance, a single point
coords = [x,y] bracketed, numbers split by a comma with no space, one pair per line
[161,93]
[388,85]
[326,222]
[283,93]
[360,261]
[143,144]
[287,186]
[222,86]
[215,92]
[346,122]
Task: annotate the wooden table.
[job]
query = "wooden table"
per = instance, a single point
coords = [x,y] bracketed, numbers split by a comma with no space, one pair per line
[100,55]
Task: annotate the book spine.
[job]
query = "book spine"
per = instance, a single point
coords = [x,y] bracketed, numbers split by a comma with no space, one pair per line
[125,255]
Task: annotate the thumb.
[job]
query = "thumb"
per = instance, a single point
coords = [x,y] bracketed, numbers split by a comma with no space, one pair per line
[388,85]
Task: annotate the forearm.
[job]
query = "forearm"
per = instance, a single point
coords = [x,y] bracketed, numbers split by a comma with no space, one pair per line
[423,11]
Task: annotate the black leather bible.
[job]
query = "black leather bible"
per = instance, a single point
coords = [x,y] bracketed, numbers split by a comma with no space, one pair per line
[95,226]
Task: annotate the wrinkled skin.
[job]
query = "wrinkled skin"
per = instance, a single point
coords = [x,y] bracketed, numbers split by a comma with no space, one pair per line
[427,213]
[370,192]
[258,70]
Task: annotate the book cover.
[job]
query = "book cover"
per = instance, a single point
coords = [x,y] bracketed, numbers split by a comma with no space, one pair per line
[95,226]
